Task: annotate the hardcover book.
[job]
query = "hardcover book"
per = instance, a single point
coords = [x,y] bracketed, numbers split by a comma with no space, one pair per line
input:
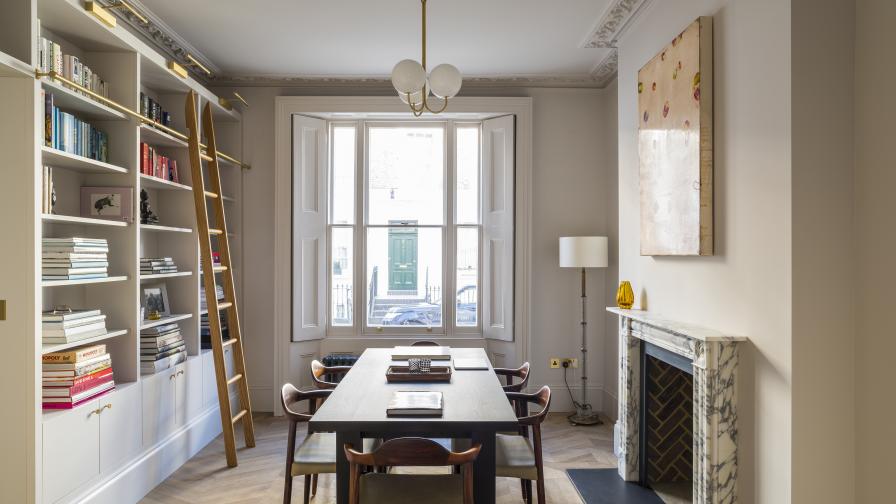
[415,403]
[426,352]
[76,355]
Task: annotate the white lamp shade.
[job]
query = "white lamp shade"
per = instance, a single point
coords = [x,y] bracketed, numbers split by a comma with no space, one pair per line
[445,81]
[583,252]
[408,76]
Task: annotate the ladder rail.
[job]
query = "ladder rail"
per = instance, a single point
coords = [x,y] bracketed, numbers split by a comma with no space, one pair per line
[209,284]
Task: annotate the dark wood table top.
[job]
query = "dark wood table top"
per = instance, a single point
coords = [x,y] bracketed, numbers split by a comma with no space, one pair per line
[472,401]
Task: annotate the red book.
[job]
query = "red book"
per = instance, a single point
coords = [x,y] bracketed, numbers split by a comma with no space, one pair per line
[164,173]
[81,384]
[144,157]
[67,403]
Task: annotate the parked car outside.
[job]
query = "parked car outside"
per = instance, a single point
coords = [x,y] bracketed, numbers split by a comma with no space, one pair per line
[430,314]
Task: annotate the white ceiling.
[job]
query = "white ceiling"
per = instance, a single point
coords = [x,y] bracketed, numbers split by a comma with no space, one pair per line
[365,38]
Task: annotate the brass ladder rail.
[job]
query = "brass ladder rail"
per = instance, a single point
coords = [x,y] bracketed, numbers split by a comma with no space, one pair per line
[210,271]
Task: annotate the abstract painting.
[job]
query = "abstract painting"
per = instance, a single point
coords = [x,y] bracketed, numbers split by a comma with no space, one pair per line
[675,145]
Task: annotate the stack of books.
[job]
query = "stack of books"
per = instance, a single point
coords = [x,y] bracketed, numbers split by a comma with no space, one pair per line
[51,59]
[64,325]
[205,330]
[67,133]
[160,348]
[154,164]
[157,265]
[75,376]
[75,258]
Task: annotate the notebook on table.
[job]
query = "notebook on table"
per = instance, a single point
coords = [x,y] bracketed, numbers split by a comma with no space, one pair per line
[470,363]
[402,353]
[415,403]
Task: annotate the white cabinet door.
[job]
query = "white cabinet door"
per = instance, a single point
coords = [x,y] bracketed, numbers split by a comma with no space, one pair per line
[120,427]
[209,385]
[158,406]
[71,454]
[188,393]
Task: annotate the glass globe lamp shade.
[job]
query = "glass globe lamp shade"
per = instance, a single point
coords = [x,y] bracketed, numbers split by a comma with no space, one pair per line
[445,81]
[408,76]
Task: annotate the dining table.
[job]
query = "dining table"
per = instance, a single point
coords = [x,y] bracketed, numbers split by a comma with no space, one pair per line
[474,406]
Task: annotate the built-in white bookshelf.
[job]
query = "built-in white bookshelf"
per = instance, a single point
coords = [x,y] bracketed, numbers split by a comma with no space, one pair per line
[60,456]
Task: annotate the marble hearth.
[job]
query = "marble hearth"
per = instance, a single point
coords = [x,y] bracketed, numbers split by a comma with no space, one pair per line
[714,358]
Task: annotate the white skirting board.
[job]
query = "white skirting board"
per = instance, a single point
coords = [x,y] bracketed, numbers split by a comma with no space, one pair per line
[139,477]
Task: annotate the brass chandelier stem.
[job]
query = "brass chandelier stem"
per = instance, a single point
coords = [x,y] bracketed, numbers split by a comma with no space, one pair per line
[424,33]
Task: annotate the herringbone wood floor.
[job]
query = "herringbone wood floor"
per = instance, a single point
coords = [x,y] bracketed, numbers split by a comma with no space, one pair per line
[259,477]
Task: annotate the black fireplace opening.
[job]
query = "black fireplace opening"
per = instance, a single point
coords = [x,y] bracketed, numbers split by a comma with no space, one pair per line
[667,422]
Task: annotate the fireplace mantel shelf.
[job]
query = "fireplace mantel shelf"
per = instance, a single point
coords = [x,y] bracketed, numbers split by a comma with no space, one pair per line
[679,328]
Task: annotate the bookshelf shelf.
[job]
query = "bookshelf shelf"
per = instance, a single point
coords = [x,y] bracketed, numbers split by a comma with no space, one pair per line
[89,341]
[71,219]
[60,159]
[171,229]
[164,320]
[150,182]
[13,67]
[166,275]
[80,105]
[88,281]
[158,138]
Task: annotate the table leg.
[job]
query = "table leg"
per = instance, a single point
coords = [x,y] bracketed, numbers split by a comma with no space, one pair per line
[484,468]
[342,468]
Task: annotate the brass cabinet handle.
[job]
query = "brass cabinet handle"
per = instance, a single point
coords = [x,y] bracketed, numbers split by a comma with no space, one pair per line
[105,406]
[179,373]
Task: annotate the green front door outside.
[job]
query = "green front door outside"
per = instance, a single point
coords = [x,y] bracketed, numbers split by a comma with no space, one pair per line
[403,259]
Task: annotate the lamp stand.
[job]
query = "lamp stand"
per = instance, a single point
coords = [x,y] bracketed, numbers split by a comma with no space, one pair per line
[584,415]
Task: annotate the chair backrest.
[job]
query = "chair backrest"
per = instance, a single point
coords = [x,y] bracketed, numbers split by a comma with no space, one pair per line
[411,451]
[291,396]
[521,372]
[319,371]
[425,343]
[542,398]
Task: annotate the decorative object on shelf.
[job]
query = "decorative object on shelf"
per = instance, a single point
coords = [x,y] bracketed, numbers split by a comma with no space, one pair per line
[414,88]
[419,365]
[625,296]
[146,215]
[675,145]
[48,201]
[155,299]
[583,252]
[111,203]
[154,315]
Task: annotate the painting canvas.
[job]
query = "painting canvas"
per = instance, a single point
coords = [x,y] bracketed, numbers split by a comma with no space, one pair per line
[112,203]
[675,145]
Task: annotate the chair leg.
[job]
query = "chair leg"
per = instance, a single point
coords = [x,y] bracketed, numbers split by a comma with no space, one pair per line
[287,489]
[307,488]
[313,485]
[528,485]
[539,485]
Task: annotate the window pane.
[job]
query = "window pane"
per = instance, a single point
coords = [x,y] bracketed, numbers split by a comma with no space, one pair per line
[341,272]
[342,182]
[405,175]
[467,276]
[404,276]
[467,175]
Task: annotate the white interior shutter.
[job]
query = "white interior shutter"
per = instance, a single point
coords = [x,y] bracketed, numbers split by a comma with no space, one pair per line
[309,224]
[497,227]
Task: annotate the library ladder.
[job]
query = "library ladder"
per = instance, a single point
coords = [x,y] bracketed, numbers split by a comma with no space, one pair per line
[200,195]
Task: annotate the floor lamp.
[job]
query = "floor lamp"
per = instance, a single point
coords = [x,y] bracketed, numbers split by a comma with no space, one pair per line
[583,252]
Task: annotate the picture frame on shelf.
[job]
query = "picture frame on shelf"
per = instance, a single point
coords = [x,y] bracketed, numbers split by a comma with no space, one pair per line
[155,299]
[109,203]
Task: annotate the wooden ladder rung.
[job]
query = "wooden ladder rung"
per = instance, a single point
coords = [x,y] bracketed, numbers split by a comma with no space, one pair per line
[237,377]
[227,343]
[239,415]
[225,305]
[212,195]
[213,231]
[219,268]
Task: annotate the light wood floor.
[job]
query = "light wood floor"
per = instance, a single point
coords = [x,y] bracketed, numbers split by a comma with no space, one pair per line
[259,477]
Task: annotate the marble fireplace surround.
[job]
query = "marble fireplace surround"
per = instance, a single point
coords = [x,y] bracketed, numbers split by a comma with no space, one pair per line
[715,358]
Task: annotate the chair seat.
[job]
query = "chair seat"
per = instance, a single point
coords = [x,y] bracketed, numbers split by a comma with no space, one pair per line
[412,488]
[317,454]
[515,458]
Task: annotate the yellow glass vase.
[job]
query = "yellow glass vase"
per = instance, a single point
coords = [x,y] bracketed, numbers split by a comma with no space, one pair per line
[625,297]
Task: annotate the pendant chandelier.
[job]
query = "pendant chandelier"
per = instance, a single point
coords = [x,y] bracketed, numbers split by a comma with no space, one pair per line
[416,89]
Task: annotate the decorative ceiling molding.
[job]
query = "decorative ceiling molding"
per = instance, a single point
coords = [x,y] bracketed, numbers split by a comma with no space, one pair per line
[163,37]
[605,71]
[384,83]
[614,23]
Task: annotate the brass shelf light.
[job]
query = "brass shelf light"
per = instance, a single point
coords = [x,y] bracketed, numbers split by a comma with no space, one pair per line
[121,108]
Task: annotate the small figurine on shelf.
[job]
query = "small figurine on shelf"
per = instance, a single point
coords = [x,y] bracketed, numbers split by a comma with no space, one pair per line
[146,215]
[53,200]
[154,315]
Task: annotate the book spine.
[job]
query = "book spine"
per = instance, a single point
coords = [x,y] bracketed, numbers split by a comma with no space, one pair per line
[75,356]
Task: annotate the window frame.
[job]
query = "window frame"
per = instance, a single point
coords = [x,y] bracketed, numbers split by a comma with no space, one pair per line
[361,225]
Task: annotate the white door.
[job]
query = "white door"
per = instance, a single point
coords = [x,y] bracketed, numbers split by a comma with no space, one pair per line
[120,427]
[71,450]
[158,406]
[188,391]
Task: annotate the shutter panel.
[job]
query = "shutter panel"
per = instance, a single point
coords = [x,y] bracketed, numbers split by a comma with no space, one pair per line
[309,220]
[498,164]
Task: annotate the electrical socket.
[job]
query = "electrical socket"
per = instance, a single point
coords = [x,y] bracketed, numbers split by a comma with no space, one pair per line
[555,363]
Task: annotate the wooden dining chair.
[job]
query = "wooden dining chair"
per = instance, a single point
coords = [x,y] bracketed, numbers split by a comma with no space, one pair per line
[374,488]
[425,343]
[520,456]
[521,372]
[316,454]
[319,373]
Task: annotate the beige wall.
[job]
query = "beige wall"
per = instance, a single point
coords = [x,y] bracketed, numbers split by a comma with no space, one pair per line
[573,157]
[745,288]
[875,240]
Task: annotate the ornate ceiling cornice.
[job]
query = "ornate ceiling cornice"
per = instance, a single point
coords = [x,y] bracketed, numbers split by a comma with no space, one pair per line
[614,22]
[605,71]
